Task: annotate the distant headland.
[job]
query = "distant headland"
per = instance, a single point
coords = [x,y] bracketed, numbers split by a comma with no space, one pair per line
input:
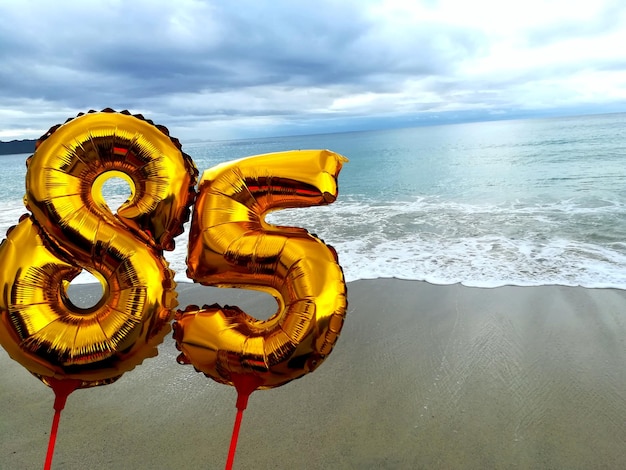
[17,146]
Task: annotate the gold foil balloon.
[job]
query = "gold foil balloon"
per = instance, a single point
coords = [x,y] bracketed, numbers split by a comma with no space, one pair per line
[231,245]
[72,228]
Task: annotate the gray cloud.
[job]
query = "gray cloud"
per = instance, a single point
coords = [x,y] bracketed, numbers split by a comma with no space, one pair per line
[202,65]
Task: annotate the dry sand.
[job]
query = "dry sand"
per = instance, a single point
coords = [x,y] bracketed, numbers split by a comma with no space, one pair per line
[423,376]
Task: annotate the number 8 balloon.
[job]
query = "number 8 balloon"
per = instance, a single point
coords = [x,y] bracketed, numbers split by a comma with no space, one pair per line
[72,228]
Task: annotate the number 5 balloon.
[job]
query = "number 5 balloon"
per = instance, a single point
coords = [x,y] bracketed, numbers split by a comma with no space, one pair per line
[231,245]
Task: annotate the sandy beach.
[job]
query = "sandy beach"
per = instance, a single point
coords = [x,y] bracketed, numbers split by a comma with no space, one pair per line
[423,376]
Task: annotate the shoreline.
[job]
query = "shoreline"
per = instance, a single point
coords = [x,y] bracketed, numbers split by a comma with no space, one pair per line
[423,376]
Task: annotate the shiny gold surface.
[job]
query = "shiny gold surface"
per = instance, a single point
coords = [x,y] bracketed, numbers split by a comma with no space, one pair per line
[231,245]
[72,228]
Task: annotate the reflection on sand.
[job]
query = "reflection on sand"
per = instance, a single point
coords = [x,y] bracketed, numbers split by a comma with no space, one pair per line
[423,376]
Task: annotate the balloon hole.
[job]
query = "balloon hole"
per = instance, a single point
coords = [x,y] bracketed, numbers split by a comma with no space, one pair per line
[115,192]
[259,305]
[85,292]
[112,188]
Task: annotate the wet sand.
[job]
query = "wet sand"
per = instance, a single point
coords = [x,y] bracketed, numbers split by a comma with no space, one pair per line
[423,376]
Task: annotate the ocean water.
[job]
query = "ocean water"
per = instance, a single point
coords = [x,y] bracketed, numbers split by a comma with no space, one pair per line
[527,202]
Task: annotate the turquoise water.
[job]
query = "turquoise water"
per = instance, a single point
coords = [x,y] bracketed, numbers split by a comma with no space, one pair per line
[526,202]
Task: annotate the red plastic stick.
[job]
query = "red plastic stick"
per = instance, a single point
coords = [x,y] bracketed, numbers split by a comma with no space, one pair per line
[62,389]
[233,440]
[245,385]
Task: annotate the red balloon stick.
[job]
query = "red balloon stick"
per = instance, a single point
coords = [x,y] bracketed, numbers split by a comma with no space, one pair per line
[62,389]
[245,385]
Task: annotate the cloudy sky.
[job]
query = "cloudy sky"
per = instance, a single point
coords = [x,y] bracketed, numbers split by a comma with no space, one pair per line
[211,69]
